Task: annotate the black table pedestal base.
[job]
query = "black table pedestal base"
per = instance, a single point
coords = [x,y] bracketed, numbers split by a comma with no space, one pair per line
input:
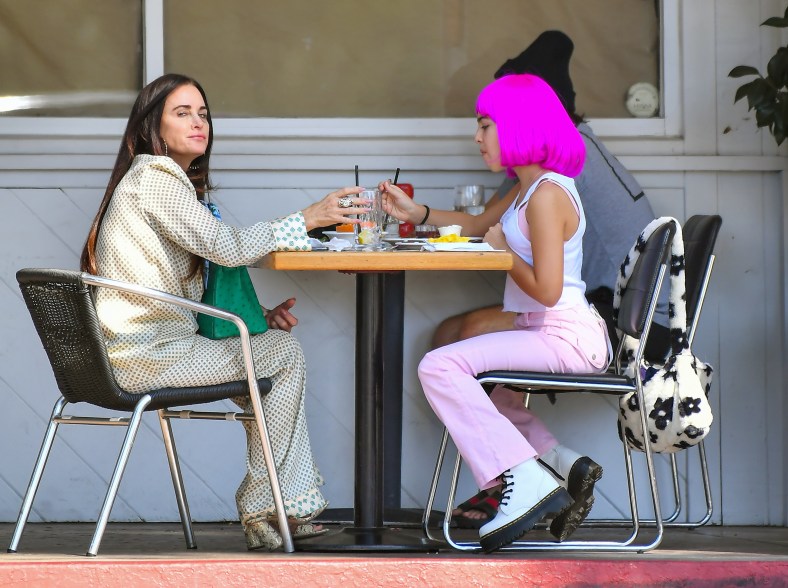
[372,539]
[406,518]
[368,531]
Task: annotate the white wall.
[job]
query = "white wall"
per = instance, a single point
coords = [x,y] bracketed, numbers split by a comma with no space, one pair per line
[50,188]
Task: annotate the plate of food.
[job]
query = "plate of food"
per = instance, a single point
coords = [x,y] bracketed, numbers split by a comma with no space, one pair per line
[347,236]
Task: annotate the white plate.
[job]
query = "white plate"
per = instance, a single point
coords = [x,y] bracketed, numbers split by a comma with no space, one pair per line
[410,245]
[340,235]
[463,247]
[393,239]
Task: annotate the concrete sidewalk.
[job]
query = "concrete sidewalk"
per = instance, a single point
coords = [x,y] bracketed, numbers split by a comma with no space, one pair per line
[154,554]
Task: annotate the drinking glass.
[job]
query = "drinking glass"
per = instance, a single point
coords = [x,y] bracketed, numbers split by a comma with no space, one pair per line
[370,228]
[466,196]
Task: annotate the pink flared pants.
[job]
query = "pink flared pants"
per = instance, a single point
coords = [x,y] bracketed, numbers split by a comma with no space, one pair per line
[494,433]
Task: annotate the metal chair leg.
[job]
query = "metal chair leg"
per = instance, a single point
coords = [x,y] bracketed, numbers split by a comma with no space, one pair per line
[177,480]
[704,472]
[38,471]
[676,491]
[270,464]
[425,518]
[120,466]
[704,469]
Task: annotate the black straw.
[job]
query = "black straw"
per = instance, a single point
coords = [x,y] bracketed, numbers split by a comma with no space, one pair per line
[356,175]
[396,176]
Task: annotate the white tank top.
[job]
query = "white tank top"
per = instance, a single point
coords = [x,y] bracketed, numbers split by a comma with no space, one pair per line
[573,293]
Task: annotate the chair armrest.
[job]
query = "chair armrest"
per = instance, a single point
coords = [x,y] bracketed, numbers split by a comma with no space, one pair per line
[166,297]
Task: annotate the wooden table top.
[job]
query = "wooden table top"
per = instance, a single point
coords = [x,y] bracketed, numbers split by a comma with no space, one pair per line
[386,260]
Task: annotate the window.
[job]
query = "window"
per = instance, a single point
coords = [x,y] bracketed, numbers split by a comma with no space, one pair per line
[409,58]
[70,57]
[265,60]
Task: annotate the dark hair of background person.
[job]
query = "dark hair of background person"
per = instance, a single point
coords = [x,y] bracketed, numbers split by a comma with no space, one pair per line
[548,58]
[143,136]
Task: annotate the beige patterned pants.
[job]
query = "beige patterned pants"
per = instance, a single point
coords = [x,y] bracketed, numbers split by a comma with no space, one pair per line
[278,356]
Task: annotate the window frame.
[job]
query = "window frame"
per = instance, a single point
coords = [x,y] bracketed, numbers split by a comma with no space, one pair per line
[667,125]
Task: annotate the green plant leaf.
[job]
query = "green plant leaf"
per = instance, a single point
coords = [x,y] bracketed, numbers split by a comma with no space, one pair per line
[760,94]
[778,128]
[775,21]
[767,94]
[779,136]
[777,68]
[744,91]
[764,118]
[743,70]
[781,120]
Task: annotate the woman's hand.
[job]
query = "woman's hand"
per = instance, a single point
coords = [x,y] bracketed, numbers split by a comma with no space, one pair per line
[280,317]
[330,210]
[496,238]
[398,204]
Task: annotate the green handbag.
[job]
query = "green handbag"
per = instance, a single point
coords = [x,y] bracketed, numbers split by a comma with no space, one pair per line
[230,288]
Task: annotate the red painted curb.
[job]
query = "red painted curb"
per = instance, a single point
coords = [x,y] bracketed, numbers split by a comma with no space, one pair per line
[400,572]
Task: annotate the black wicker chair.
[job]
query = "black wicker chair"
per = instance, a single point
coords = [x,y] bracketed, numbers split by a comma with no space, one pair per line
[61,306]
[635,316]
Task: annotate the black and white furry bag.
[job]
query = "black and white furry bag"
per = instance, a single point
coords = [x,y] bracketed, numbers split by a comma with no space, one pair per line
[678,413]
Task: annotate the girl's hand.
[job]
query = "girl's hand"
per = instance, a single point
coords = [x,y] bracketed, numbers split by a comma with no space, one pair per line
[330,210]
[496,238]
[280,317]
[397,203]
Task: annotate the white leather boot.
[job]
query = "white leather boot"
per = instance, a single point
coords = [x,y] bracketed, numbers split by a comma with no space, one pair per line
[529,494]
[578,474]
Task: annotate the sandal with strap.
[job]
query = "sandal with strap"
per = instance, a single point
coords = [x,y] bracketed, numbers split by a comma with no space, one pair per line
[482,502]
[261,535]
[307,530]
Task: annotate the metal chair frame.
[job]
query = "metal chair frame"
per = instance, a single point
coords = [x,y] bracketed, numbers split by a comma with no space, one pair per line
[251,386]
[709,229]
[607,383]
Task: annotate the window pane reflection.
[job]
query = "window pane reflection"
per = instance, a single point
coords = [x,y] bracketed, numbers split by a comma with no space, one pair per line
[409,58]
[70,57]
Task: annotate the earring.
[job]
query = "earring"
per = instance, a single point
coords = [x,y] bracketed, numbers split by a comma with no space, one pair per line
[165,148]
[194,167]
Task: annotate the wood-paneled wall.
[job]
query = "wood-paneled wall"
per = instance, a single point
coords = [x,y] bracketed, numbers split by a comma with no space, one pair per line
[50,188]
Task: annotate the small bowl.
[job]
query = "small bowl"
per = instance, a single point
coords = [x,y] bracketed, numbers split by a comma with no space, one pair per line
[450,230]
[341,234]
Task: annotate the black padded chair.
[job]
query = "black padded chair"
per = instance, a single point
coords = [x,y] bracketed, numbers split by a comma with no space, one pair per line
[700,235]
[635,316]
[61,306]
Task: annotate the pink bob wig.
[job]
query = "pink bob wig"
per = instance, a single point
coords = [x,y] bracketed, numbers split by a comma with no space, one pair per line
[533,126]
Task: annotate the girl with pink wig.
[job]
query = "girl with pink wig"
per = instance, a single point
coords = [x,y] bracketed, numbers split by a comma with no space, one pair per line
[524,129]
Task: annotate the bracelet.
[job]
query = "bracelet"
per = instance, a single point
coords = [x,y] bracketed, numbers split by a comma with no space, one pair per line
[426,215]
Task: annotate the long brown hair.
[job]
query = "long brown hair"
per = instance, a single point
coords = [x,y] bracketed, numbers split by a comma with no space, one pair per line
[143,135]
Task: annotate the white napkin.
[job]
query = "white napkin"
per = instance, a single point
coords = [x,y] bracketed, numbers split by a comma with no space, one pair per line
[337,244]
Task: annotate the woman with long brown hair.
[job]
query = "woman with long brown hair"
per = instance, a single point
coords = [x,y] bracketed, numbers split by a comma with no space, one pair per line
[152,229]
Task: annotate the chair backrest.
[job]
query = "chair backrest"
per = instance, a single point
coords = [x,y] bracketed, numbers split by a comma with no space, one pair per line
[641,287]
[700,234]
[62,309]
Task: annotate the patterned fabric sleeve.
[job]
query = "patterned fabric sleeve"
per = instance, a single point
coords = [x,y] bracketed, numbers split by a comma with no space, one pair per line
[172,209]
[290,233]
